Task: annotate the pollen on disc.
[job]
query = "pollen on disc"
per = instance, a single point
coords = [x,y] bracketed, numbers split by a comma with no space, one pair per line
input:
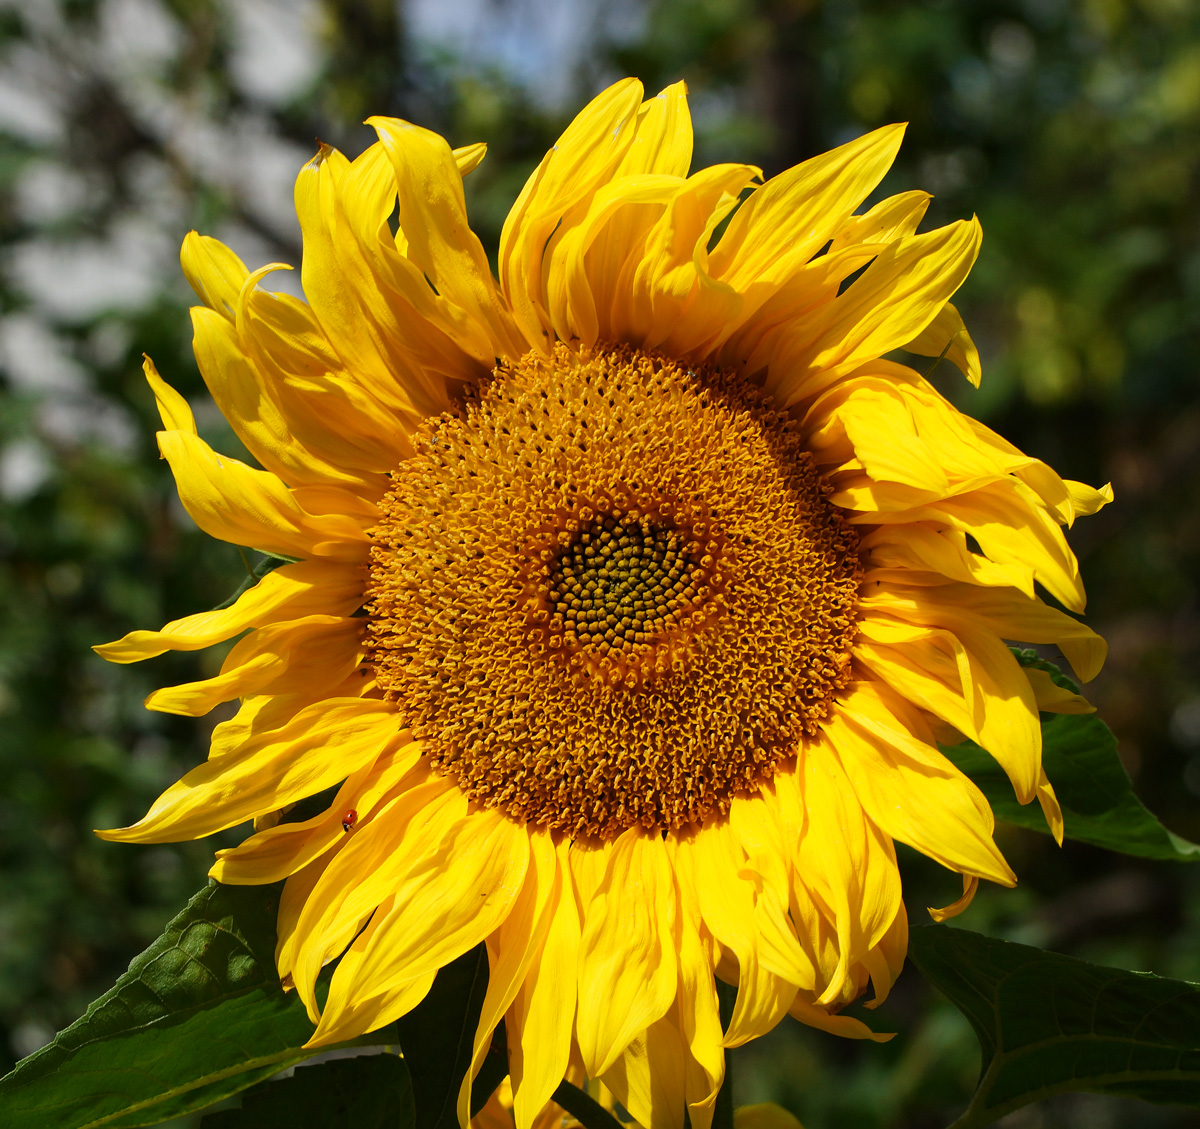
[611,591]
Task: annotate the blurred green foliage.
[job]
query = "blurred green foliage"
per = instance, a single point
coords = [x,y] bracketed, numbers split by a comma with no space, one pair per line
[1072,127]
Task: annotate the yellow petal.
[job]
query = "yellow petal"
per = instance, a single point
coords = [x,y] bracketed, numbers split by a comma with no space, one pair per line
[585,260]
[281,658]
[648,1078]
[767,866]
[257,418]
[334,413]
[785,222]
[541,1020]
[699,1013]
[292,901]
[512,949]
[844,1025]
[1011,528]
[454,886]
[176,415]
[290,592]
[967,453]
[886,222]
[282,850]
[321,745]
[1058,495]
[910,790]
[627,962]
[893,300]
[885,437]
[709,869]
[970,886]
[468,157]
[927,546]
[374,307]
[216,274]
[582,160]
[970,679]
[662,136]
[441,244]
[806,296]
[1050,808]
[1086,499]
[361,876]
[236,503]
[885,962]
[1007,614]
[367,1012]
[1053,698]
[947,336]
[844,859]
[677,304]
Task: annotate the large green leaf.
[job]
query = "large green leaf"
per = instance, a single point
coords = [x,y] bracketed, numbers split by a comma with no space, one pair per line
[1049,1023]
[437,1038]
[369,1092]
[1098,802]
[197,1017]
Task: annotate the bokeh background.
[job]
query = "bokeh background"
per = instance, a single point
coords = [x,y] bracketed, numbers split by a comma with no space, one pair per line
[1071,127]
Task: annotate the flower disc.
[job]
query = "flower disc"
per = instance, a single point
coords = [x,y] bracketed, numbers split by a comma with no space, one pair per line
[611,591]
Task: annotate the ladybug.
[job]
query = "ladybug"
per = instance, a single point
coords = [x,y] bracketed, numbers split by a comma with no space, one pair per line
[349,820]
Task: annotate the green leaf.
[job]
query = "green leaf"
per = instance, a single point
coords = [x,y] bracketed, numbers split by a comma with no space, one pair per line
[1098,802]
[437,1037]
[369,1092]
[1048,1023]
[197,1017]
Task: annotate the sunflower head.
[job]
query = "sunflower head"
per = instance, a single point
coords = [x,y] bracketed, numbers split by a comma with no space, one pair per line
[633,589]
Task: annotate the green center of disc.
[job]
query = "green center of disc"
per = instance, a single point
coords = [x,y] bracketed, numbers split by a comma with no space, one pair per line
[620,582]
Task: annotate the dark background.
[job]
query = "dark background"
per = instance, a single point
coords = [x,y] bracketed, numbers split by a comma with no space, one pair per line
[1071,128]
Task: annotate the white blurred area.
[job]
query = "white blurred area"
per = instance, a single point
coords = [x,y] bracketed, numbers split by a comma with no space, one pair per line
[85,262]
[275,56]
[96,245]
[541,46]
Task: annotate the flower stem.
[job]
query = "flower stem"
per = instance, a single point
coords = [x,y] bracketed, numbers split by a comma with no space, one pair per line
[586,1110]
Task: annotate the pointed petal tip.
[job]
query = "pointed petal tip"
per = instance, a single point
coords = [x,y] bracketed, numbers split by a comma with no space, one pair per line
[321,156]
[382,124]
[890,135]
[468,157]
[118,651]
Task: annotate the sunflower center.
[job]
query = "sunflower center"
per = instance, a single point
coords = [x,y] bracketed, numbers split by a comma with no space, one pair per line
[621,591]
[611,591]
[620,583]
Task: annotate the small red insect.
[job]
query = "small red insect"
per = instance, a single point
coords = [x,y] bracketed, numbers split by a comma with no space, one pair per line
[349,820]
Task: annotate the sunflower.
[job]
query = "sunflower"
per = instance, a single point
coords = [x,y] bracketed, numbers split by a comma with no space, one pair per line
[629,593]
